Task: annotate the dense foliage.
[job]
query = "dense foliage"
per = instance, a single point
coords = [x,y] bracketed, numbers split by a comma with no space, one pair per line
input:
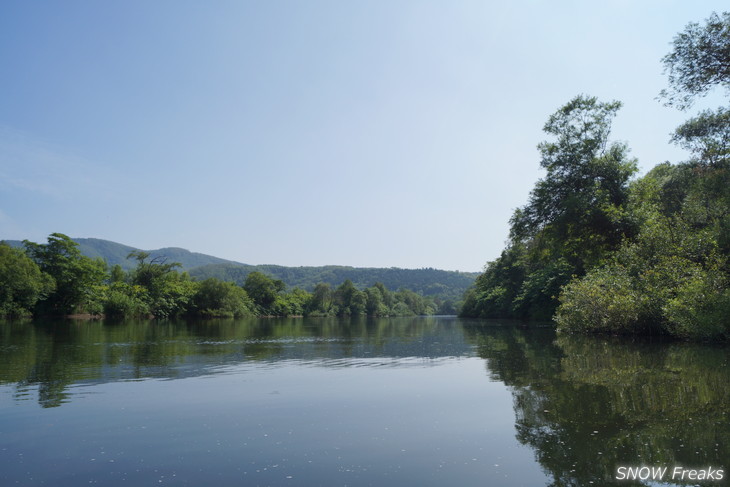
[575,216]
[600,253]
[672,277]
[55,278]
[22,283]
[441,285]
[77,279]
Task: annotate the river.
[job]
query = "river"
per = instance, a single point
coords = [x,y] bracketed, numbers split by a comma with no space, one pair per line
[384,402]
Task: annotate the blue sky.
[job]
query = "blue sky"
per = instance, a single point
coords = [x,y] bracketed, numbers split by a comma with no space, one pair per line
[375,134]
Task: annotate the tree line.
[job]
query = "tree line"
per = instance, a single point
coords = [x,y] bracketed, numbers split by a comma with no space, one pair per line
[56,279]
[599,251]
[444,285]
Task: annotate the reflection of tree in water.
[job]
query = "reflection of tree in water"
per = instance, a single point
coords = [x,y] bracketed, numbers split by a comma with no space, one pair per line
[53,356]
[587,405]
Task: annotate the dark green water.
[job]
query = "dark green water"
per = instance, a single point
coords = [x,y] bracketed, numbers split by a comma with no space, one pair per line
[392,402]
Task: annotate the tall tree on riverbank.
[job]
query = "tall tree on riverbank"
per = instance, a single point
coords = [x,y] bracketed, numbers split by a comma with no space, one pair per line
[576,210]
[575,215]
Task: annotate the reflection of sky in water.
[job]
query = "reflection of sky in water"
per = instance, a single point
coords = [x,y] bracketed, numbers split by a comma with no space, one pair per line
[409,421]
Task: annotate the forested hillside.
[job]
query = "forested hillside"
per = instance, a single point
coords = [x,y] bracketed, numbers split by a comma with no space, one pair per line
[600,251]
[450,285]
[429,282]
[93,276]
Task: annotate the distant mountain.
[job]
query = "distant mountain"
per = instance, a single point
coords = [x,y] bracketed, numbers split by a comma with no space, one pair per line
[428,282]
[116,253]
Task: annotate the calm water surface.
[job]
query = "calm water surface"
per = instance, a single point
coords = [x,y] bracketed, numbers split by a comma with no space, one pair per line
[391,402]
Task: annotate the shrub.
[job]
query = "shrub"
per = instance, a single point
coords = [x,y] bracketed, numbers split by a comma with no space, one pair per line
[701,308]
[602,301]
[124,300]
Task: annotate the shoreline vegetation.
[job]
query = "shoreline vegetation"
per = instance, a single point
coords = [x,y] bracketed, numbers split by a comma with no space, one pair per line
[597,251]
[55,279]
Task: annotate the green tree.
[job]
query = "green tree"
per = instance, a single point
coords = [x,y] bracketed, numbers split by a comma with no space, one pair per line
[358,303]
[78,279]
[168,292]
[579,201]
[415,302]
[672,276]
[575,217]
[126,300]
[497,287]
[707,137]
[605,300]
[699,61]
[401,309]
[214,297]
[385,293]
[117,274]
[701,306]
[653,256]
[22,283]
[148,271]
[375,303]
[294,303]
[263,290]
[343,297]
[322,300]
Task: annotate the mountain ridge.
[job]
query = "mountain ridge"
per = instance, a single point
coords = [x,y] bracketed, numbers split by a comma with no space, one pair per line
[116,253]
